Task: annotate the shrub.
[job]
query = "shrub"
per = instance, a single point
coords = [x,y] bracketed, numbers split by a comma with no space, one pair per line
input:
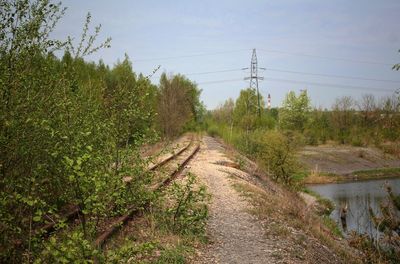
[68,130]
[277,154]
[389,224]
[213,131]
[187,212]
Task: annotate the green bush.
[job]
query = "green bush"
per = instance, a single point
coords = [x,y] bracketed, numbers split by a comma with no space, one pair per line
[188,211]
[277,154]
[73,248]
[68,132]
[213,131]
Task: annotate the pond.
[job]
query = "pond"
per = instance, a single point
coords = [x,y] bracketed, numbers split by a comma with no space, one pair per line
[358,196]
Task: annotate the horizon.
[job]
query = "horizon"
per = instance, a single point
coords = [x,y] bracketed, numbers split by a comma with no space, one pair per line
[332,50]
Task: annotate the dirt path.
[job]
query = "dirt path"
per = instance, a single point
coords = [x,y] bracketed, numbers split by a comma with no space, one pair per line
[236,236]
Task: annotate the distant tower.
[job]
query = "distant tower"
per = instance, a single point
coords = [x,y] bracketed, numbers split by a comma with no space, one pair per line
[254,78]
[269,101]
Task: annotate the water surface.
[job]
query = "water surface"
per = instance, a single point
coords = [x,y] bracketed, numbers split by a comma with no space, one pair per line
[358,196]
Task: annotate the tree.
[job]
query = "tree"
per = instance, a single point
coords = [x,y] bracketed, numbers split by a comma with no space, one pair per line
[342,118]
[389,118]
[63,126]
[277,154]
[224,113]
[294,114]
[318,128]
[178,104]
[367,107]
[245,114]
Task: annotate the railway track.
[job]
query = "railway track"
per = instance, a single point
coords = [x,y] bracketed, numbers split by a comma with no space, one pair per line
[173,172]
[161,168]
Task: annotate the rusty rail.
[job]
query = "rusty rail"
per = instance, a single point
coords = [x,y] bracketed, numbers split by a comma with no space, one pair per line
[118,223]
[49,228]
[156,166]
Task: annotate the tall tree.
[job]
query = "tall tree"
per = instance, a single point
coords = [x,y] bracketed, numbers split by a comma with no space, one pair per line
[294,114]
[342,117]
[245,113]
[178,104]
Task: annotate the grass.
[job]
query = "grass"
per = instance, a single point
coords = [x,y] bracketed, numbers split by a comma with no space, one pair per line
[377,173]
[323,177]
[176,254]
[325,207]
[287,220]
[284,212]
[155,251]
[332,225]
[153,238]
[319,177]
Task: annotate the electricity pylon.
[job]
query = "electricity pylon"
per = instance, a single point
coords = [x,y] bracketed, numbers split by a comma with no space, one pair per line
[254,78]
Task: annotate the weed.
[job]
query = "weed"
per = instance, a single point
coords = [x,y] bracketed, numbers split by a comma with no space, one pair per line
[332,225]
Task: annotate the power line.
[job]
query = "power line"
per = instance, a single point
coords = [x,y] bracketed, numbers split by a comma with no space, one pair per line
[203,73]
[220,81]
[328,57]
[333,75]
[210,72]
[190,55]
[296,72]
[268,51]
[207,72]
[331,85]
[307,83]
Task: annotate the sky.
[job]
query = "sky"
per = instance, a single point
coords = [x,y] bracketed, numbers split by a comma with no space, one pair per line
[299,42]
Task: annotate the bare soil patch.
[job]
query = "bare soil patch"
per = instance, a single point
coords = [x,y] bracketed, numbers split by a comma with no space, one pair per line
[344,160]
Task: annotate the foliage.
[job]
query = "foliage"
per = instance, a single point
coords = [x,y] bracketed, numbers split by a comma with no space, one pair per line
[240,125]
[224,112]
[131,250]
[385,247]
[69,132]
[319,128]
[277,154]
[178,216]
[294,114]
[363,243]
[188,209]
[73,248]
[245,113]
[360,123]
[246,109]
[149,252]
[178,106]
[389,224]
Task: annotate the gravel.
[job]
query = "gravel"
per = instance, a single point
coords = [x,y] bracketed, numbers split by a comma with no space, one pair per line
[236,235]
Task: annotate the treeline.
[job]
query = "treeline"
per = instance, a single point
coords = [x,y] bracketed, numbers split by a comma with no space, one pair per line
[70,130]
[366,122]
[255,134]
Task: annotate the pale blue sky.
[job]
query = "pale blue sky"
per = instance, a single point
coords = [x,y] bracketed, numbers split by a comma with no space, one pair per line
[360,30]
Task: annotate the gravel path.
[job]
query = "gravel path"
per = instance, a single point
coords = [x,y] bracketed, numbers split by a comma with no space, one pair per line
[236,236]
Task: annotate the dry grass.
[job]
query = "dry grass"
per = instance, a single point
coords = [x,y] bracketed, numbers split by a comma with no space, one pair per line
[318,177]
[286,218]
[150,238]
